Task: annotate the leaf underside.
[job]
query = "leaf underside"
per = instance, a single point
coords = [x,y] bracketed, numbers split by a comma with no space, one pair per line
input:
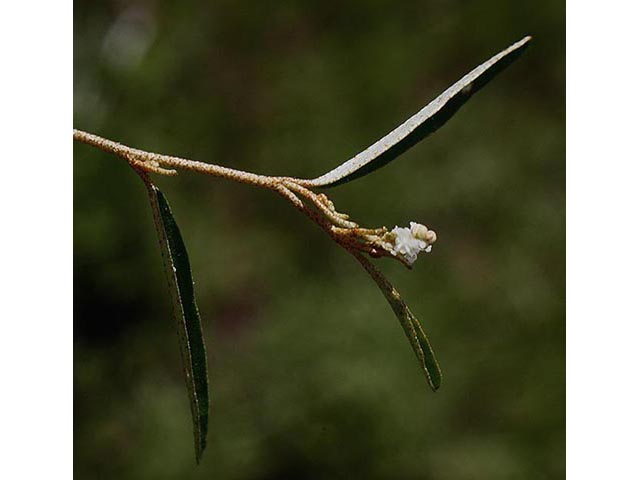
[185,311]
[423,123]
[410,324]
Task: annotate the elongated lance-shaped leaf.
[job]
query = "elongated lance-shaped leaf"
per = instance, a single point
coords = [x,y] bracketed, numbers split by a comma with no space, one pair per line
[185,311]
[410,324]
[423,123]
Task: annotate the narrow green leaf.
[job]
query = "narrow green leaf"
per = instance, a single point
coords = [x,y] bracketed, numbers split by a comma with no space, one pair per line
[423,123]
[410,324]
[185,311]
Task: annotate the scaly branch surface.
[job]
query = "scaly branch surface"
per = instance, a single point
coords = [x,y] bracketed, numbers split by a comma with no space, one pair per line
[401,244]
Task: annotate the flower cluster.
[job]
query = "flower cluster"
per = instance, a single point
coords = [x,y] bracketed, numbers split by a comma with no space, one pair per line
[409,242]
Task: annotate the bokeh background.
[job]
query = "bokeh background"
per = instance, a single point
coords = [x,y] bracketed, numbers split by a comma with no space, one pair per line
[311,374]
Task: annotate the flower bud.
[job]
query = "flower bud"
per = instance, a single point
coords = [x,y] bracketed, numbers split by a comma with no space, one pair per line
[421,232]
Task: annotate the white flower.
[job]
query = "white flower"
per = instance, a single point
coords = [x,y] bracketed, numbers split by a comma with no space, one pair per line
[409,242]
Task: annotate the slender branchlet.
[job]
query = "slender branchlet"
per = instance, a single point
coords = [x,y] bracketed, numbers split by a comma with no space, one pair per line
[402,244]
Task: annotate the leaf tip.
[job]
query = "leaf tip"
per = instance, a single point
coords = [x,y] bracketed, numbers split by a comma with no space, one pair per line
[521,44]
[200,453]
[435,383]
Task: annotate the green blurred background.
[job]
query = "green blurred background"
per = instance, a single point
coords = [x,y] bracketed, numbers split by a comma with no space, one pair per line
[311,374]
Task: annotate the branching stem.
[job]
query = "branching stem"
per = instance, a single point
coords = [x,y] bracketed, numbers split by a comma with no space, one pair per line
[320,209]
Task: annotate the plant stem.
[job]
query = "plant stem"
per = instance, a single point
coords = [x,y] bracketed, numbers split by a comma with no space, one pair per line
[321,210]
[150,161]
